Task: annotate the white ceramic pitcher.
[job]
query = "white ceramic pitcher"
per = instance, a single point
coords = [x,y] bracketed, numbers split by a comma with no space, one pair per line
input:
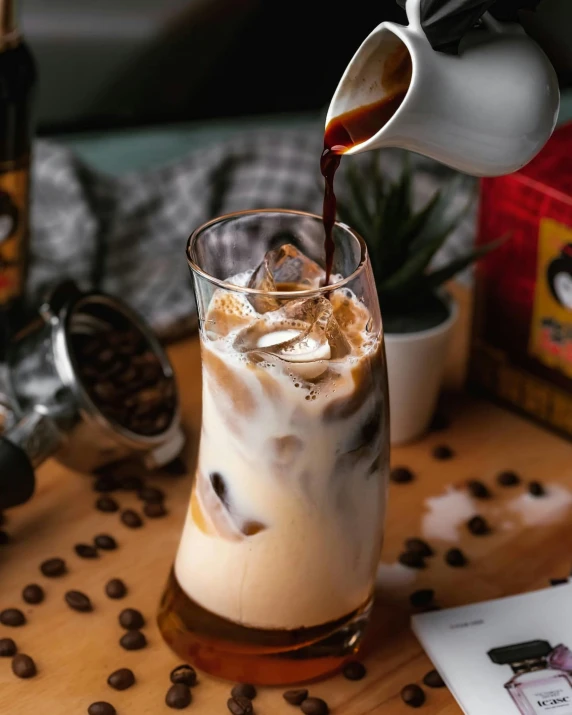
[486,111]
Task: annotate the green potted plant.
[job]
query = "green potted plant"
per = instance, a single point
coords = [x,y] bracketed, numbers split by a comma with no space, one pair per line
[418,314]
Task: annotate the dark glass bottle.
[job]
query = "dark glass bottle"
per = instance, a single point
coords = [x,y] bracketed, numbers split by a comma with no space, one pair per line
[17,85]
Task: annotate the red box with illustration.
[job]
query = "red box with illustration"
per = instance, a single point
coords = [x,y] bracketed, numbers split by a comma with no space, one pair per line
[521,352]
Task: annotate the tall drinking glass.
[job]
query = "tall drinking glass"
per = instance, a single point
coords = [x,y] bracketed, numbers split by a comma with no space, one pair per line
[274,575]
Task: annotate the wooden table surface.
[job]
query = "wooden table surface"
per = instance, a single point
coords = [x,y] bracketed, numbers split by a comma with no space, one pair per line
[75,652]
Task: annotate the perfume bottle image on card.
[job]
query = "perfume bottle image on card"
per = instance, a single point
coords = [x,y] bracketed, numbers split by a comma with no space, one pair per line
[536,687]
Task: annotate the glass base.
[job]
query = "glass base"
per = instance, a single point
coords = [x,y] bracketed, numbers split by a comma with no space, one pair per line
[263,657]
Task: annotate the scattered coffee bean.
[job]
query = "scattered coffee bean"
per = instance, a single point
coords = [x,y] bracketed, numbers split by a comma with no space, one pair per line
[243,690]
[131,483]
[184,674]
[107,504]
[101,708]
[12,617]
[131,619]
[33,593]
[442,451]
[23,666]
[176,468]
[105,483]
[52,568]
[115,588]
[412,559]
[314,706]
[86,551]
[419,547]
[133,640]
[295,697]
[154,510]
[7,648]
[78,601]
[413,696]
[178,696]
[536,489]
[151,494]
[121,679]
[558,581]
[478,526]
[4,538]
[131,519]
[508,479]
[354,670]
[455,557]
[422,597]
[105,542]
[439,422]
[401,475]
[432,679]
[240,705]
[478,489]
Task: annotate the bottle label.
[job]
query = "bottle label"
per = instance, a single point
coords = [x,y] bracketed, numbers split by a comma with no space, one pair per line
[14,190]
[549,696]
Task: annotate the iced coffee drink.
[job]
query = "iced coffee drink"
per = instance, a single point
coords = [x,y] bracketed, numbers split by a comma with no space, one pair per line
[275,569]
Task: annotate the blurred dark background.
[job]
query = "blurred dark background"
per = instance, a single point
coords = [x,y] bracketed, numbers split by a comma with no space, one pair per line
[107,64]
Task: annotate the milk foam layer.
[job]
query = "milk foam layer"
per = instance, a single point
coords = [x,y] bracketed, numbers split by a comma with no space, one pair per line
[284,528]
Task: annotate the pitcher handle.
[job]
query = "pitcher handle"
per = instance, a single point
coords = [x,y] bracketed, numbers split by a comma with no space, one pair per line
[413,10]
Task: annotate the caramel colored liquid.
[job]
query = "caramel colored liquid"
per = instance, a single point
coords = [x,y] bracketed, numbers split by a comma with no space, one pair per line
[266,657]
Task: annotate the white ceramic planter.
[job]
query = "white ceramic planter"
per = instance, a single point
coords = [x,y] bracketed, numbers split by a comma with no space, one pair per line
[415,366]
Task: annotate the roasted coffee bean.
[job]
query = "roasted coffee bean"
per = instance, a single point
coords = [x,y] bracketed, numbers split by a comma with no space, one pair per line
[478,489]
[478,526]
[442,451]
[105,483]
[23,666]
[52,568]
[354,670]
[413,696]
[243,690]
[7,648]
[101,708]
[105,542]
[439,422]
[86,551]
[558,581]
[314,706]
[33,594]
[12,617]
[107,504]
[121,679]
[178,696]
[131,483]
[418,546]
[175,468]
[401,475]
[508,479]
[432,679]
[131,519]
[412,559]
[536,489]
[239,705]
[184,674]
[133,640]
[131,619]
[154,510]
[455,557]
[422,597]
[115,588]
[78,601]
[151,494]
[295,697]
[4,538]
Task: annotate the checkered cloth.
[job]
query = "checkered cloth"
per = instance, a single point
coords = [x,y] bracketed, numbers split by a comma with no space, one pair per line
[127,235]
